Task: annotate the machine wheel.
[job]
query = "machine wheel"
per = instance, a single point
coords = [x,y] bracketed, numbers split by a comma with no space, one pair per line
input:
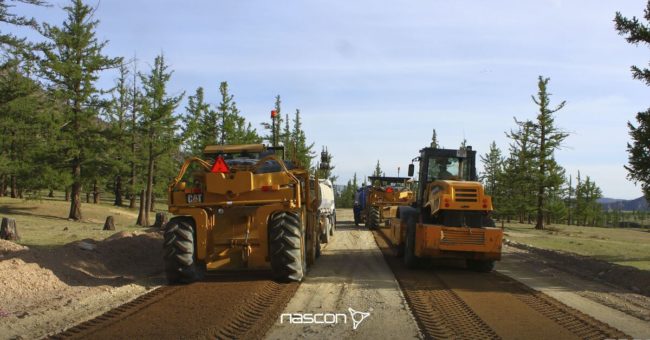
[483,266]
[318,247]
[410,260]
[399,250]
[325,236]
[373,219]
[333,226]
[288,258]
[179,252]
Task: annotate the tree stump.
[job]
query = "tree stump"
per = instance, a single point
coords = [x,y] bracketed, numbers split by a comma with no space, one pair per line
[161,220]
[109,224]
[8,230]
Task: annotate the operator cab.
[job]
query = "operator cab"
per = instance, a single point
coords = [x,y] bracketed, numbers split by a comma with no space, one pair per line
[444,164]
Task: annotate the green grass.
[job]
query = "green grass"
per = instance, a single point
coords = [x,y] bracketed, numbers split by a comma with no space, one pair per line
[43,222]
[628,247]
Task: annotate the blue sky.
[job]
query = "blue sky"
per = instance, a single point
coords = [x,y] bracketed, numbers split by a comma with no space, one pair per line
[373,78]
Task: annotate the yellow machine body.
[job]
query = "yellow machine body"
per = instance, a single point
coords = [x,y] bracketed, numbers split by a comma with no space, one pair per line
[451,217]
[231,210]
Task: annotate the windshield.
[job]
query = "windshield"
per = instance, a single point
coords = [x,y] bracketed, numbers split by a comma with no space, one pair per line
[443,168]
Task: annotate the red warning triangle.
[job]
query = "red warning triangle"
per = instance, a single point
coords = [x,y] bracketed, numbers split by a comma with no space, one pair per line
[220,166]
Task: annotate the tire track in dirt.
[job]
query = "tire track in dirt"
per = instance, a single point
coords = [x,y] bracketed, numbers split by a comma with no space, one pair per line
[456,303]
[237,305]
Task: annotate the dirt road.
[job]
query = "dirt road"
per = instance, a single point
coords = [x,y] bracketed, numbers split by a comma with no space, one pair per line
[225,306]
[351,273]
[453,302]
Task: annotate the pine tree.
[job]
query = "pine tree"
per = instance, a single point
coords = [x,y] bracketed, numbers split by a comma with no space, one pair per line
[224,110]
[273,127]
[303,151]
[520,171]
[588,209]
[116,115]
[13,19]
[28,132]
[325,167]
[134,137]
[434,140]
[194,132]
[234,128]
[377,172]
[547,138]
[492,167]
[638,168]
[158,124]
[72,61]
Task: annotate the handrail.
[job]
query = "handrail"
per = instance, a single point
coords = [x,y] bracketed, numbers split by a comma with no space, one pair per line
[186,164]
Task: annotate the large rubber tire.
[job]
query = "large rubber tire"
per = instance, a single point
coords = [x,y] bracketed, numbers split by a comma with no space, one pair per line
[333,226]
[179,252]
[373,219]
[482,266]
[410,260]
[325,236]
[285,237]
[357,217]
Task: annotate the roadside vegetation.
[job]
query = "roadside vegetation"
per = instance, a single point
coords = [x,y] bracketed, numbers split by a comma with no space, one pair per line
[42,222]
[60,132]
[628,247]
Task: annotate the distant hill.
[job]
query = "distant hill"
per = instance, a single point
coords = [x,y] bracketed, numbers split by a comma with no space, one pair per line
[627,205]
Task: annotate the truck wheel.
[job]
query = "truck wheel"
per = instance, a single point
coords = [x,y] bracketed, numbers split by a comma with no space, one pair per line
[318,248]
[483,266]
[399,250]
[180,262]
[325,236]
[373,219]
[333,225]
[410,260]
[285,234]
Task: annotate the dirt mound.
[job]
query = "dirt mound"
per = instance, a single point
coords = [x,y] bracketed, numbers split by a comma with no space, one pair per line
[7,247]
[631,278]
[36,280]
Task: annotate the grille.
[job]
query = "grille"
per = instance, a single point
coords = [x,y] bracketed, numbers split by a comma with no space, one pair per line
[472,236]
[466,195]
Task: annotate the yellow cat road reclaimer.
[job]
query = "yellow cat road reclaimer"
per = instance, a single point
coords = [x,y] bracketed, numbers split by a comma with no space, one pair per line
[383,193]
[249,209]
[451,215]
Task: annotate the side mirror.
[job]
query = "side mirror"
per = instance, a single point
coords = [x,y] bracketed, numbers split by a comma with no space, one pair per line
[411,170]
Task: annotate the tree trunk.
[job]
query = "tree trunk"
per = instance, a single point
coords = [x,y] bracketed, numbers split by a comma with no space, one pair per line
[153,202]
[67,194]
[51,193]
[149,192]
[3,185]
[75,199]
[88,197]
[109,224]
[20,193]
[133,144]
[118,191]
[96,193]
[14,189]
[161,220]
[141,221]
[8,229]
